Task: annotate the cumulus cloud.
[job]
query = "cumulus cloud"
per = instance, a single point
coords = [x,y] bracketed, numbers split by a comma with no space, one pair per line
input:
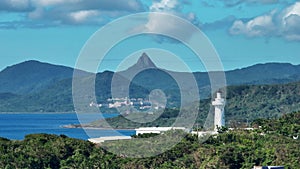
[164,5]
[16,5]
[285,23]
[232,3]
[45,13]
[290,22]
[82,11]
[68,12]
[54,2]
[291,28]
[174,7]
[259,26]
[82,16]
[166,25]
[159,23]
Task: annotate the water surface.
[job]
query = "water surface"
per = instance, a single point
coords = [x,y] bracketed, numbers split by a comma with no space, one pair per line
[16,125]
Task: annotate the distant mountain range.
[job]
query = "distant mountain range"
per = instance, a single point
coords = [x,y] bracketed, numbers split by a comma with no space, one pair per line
[37,86]
[32,76]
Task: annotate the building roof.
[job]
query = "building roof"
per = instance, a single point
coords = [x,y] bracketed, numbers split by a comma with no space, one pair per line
[110,138]
[160,128]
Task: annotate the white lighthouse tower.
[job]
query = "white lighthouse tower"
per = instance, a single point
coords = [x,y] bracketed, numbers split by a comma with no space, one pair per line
[219,104]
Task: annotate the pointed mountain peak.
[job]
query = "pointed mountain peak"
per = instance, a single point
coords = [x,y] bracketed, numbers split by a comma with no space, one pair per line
[145,62]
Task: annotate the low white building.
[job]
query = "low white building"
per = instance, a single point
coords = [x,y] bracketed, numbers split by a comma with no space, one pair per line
[268,167]
[109,138]
[203,133]
[158,130]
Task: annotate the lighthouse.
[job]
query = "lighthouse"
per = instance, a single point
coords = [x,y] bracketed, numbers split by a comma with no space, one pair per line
[219,104]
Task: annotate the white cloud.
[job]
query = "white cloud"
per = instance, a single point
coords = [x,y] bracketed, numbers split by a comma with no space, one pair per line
[231,3]
[19,3]
[16,5]
[45,3]
[259,26]
[158,22]
[285,23]
[292,10]
[68,12]
[87,12]
[82,16]
[163,24]
[291,22]
[174,7]
[164,5]
[292,27]
[235,3]
[96,12]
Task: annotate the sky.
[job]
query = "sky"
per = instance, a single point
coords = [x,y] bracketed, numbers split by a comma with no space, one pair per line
[243,32]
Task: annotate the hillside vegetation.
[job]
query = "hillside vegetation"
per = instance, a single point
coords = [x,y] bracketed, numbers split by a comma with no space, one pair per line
[262,101]
[33,86]
[272,144]
[243,105]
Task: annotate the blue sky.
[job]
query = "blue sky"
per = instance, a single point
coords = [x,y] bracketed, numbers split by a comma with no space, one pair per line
[244,32]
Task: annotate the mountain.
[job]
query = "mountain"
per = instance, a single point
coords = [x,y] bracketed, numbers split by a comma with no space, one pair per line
[144,62]
[57,97]
[151,77]
[268,73]
[36,86]
[32,76]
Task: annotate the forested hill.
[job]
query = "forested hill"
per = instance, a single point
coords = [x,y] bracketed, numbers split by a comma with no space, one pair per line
[32,76]
[243,105]
[268,73]
[272,144]
[33,86]
[243,102]
[262,101]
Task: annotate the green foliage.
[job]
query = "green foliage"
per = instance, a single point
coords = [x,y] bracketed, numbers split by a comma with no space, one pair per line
[269,145]
[222,129]
[146,135]
[288,125]
[167,118]
[33,87]
[261,101]
[243,105]
[31,77]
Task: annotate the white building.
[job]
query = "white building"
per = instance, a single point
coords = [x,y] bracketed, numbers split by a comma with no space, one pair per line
[203,133]
[219,104]
[268,167]
[158,130]
[109,138]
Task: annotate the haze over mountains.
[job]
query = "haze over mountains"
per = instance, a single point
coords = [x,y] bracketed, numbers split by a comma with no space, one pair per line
[37,86]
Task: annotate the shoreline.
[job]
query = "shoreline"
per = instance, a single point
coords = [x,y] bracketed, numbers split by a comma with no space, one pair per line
[74,126]
[63,112]
[70,112]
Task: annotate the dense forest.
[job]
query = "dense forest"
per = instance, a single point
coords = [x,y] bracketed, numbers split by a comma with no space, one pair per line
[244,104]
[33,86]
[273,142]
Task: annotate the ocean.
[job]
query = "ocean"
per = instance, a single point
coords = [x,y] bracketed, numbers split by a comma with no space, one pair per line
[15,126]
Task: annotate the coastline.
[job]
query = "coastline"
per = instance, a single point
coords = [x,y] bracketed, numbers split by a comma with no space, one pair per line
[69,112]
[74,126]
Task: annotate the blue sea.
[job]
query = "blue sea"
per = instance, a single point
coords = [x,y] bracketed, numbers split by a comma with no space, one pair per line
[16,125]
